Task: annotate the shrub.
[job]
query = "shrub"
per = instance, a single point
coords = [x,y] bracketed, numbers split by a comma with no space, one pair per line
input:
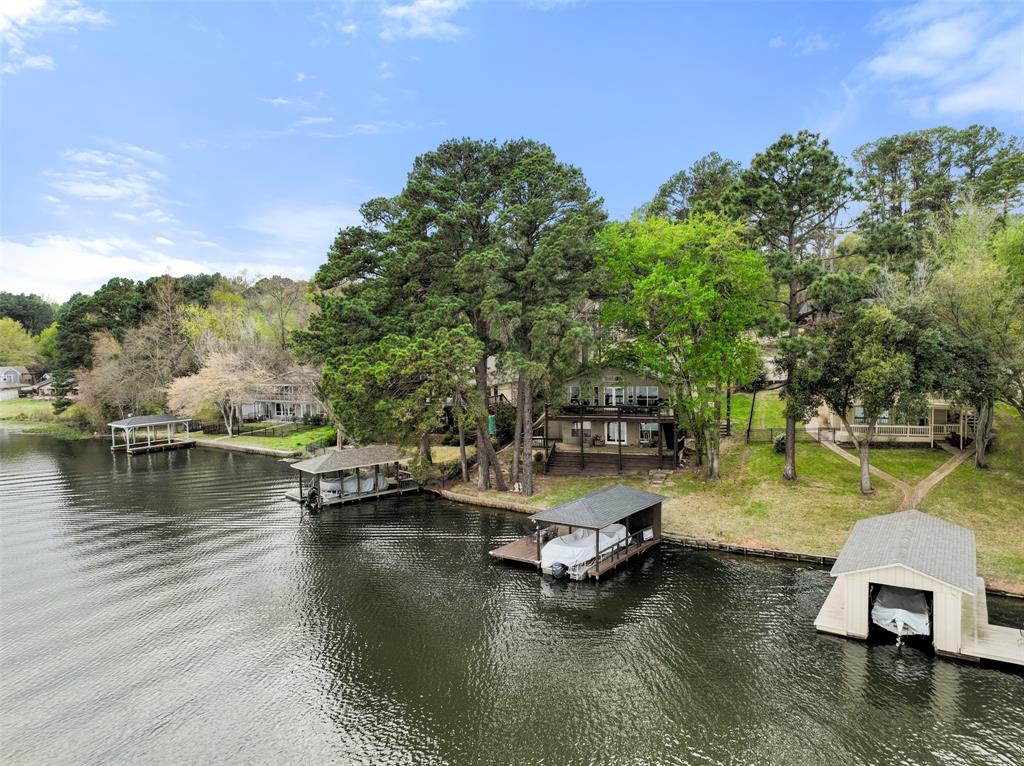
[779,445]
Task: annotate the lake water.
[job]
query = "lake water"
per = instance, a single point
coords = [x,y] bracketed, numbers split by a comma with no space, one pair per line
[174,608]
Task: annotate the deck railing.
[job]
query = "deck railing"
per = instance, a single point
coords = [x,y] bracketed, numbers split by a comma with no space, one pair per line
[611,410]
[919,432]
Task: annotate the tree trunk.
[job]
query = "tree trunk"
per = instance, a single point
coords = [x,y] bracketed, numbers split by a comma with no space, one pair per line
[713,452]
[425,453]
[789,472]
[517,436]
[495,465]
[527,465]
[482,454]
[462,454]
[982,434]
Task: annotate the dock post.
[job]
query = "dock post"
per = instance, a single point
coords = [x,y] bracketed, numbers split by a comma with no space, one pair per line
[618,430]
[582,463]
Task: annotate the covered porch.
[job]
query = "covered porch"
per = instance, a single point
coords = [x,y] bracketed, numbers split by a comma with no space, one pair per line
[945,422]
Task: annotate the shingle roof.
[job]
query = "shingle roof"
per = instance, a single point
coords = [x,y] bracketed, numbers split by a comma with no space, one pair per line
[148,420]
[926,544]
[347,459]
[599,509]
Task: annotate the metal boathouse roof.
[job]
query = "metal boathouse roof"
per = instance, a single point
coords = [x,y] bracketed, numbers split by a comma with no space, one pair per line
[928,545]
[599,509]
[348,459]
[148,420]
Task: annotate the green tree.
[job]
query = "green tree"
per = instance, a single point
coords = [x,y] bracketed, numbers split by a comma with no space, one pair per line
[792,194]
[16,345]
[701,188]
[979,300]
[687,296]
[35,314]
[873,358]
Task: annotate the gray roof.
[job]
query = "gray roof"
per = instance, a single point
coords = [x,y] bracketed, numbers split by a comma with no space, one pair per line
[926,544]
[148,420]
[16,367]
[347,459]
[599,509]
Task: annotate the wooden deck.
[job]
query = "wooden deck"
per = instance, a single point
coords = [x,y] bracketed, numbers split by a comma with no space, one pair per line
[357,498]
[524,551]
[162,446]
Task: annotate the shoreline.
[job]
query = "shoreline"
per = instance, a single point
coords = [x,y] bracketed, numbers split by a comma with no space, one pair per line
[684,541]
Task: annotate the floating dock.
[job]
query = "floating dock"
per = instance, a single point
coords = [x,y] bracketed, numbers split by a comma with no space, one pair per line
[140,434]
[912,550]
[634,515]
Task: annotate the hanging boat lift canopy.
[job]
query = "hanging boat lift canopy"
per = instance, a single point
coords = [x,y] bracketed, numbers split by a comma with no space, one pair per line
[133,444]
[351,475]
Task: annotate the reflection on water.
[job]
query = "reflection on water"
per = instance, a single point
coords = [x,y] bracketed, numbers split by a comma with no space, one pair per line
[173,607]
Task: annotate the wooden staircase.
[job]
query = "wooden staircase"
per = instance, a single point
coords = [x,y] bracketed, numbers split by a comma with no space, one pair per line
[565,462]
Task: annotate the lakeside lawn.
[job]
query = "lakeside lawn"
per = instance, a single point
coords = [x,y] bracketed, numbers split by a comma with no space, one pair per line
[991,502]
[753,506]
[911,464]
[36,416]
[292,442]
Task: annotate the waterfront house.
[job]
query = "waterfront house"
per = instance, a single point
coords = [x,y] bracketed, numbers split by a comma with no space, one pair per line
[610,420]
[943,420]
[287,398]
[912,551]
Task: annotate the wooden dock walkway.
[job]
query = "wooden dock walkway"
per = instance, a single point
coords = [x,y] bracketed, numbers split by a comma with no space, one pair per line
[141,448]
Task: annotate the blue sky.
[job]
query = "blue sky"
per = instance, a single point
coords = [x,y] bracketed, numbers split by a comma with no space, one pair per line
[144,138]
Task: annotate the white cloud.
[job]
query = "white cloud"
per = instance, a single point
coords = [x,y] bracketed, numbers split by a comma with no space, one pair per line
[385,72]
[306,231]
[953,58]
[25,20]
[421,18]
[812,44]
[61,265]
[164,241]
[312,121]
[276,101]
[302,77]
[349,28]
[777,42]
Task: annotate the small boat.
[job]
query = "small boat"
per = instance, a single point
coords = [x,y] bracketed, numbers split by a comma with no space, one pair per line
[350,485]
[576,550]
[902,611]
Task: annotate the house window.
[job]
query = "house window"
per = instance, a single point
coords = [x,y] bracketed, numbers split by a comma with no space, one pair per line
[647,396]
[861,419]
[616,432]
[574,394]
[648,433]
[574,430]
[613,396]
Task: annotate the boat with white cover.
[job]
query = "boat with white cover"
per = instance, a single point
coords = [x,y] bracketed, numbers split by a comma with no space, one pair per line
[579,548]
[902,611]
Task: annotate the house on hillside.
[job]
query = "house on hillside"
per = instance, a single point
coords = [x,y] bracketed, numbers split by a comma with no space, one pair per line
[15,374]
[285,399]
[943,420]
[610,420]
[41,389]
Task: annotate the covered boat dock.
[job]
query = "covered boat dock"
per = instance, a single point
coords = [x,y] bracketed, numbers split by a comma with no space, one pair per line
[134,428]
[594,533]
[912,550]
[352,475]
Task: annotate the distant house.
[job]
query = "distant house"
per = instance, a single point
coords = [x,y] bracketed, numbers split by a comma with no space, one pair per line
[15,374]
[41,389]
[943,420]
[283,399]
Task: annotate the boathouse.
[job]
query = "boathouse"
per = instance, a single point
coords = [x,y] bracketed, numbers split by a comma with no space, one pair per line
[351,475]
[150,433]
[590,535]
[918,552]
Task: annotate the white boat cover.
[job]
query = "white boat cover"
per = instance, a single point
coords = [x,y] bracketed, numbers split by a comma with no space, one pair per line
[578,547]
[901,611]
[348,486]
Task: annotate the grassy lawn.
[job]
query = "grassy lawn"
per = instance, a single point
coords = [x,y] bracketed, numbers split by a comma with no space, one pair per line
[991,502]
[768,412]
[37,416]
[911,464]
[291,442]
[442,453]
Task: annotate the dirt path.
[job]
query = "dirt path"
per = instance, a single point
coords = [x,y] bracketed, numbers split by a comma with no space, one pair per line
[913,494]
